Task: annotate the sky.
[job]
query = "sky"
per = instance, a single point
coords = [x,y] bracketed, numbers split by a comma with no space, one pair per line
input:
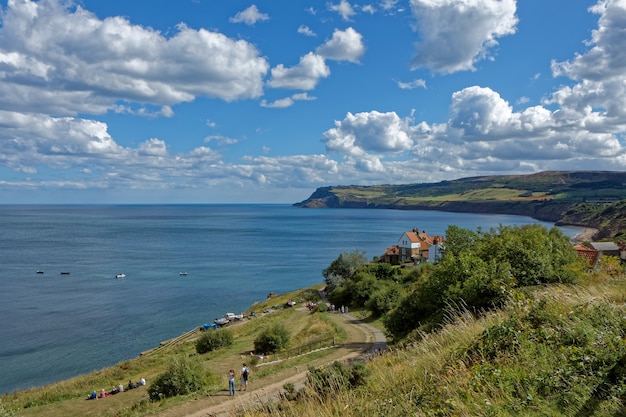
[211,101]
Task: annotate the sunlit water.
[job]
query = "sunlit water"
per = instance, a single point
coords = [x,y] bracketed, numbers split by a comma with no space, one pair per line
[57,326]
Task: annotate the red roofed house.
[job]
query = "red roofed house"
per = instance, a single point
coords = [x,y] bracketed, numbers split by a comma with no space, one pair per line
[588,254]
[415,246]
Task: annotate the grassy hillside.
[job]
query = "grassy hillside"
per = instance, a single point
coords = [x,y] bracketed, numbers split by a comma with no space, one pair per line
[554,351]
[583,198]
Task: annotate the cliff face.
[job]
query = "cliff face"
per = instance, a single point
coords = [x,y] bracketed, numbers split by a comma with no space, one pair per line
[594,199]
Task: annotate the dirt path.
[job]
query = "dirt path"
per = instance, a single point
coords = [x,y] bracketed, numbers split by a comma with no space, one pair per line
[362,340]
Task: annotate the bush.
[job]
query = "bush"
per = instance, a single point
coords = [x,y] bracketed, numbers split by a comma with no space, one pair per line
[272,339]
[184,375]
[214,339]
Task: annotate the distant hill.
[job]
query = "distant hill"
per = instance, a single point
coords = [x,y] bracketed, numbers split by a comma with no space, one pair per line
[581,198]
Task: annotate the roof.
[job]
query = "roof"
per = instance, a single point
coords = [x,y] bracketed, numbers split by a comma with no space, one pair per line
[604,246]
[590,255]
[416,237]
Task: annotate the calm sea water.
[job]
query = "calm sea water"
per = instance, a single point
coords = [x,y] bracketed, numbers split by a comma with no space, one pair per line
[55,326]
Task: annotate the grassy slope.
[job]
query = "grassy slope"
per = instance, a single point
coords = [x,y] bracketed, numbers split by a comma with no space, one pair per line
[584,198]
[557,351]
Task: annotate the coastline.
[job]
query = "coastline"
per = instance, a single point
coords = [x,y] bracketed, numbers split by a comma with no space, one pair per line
[586,235]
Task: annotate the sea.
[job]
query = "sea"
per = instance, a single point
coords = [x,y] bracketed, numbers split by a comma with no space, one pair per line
[64,313]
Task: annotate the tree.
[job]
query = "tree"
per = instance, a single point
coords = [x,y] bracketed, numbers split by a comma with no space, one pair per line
[342,269]
[214,339]
[272,339]
[479,271]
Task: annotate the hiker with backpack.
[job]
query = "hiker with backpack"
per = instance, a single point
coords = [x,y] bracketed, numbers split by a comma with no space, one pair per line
[245,372]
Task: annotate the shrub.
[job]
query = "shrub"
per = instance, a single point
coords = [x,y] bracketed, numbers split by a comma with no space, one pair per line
[272,339]
[184,375]
[214,339]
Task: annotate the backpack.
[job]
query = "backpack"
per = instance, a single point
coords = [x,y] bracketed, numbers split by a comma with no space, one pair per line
[245,373]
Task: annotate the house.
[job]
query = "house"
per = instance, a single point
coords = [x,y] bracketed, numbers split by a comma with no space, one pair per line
[606,248]
[392,255]
[418,247]
[589,254]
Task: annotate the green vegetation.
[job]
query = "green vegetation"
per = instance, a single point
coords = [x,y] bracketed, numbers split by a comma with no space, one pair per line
[214,339]
[184,376]
[584,198]
[272,339]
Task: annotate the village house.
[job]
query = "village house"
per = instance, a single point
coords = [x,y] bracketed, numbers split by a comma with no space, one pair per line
[593,251]
[415,247]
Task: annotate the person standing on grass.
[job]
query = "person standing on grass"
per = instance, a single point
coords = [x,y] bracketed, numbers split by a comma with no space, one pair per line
[245,372]
[231,382]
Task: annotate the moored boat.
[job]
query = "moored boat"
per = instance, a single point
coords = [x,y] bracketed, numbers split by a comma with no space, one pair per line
[118,276]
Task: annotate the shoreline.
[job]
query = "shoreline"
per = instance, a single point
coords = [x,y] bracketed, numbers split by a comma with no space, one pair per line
[586,235]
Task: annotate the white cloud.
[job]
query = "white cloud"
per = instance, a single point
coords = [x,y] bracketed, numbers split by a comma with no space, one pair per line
[455,34]
[344,9]
[598,101]
[305,30]
[419,83]
[304,76]
[346,45]
[60,61]
[363,133]
[287,101]
[250,16]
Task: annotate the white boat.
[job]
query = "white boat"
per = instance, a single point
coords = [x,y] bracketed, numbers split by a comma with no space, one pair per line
[118,276]
[182,274]
[220,322]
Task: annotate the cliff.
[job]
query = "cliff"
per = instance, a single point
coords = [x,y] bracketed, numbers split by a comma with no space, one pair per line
[581,198]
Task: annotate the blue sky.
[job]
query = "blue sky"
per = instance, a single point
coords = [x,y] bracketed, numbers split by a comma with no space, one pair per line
[205,101]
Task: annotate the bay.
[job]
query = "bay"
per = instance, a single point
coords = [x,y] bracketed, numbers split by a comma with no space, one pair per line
[55,326]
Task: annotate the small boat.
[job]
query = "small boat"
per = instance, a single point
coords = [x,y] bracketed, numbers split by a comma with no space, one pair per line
[183,274]
[39,271]
[119,276]
[65,273]
[221,321]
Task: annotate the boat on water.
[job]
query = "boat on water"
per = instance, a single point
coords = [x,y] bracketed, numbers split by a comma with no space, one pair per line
[39,271]
[65,273]
[183,274]
[118,276]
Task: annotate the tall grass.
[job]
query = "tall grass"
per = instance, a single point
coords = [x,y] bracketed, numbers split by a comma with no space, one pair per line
[556,351]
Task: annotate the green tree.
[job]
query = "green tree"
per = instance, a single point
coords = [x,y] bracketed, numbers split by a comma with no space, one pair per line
[272,339]
[342,269]
[479,271]
[214,339]
[385,298]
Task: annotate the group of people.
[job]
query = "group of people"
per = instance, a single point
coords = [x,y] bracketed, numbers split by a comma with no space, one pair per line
[120,388]
[243,380]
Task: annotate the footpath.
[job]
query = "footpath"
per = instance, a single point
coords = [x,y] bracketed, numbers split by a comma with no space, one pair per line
[366,341]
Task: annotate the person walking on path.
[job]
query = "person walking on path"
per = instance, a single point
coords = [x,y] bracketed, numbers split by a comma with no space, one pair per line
[245,372]
[231,382]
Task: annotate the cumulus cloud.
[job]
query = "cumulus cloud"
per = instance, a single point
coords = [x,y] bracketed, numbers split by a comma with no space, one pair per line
[598,100]
[346,45]
[303,76]
[455,34]
[250,16]
[344,8]
[64,61]
[372,132]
